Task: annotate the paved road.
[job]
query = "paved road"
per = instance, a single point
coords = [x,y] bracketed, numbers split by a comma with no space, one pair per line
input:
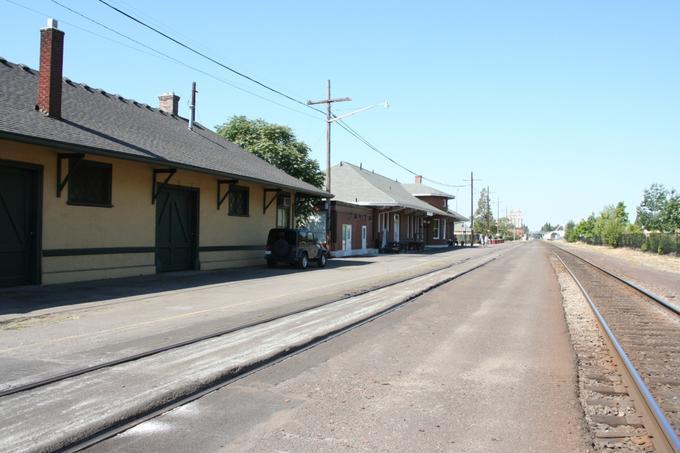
[74,326]
[481,364]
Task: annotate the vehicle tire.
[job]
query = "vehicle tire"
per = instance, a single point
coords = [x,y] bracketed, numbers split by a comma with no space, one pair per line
[271,263]
[280,248]
[303,261]
[321,261]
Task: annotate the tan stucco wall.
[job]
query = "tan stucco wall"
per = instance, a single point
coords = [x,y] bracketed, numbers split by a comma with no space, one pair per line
[131,220]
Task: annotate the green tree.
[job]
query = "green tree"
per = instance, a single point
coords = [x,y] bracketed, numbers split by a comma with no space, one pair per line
[570,233]
[670,214]
[484,223]
[547,227]
[505,229]
[586,228]
[612,222]
[277,145]
[649,212]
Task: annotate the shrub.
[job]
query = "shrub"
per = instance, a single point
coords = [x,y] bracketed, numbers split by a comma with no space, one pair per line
[666,244]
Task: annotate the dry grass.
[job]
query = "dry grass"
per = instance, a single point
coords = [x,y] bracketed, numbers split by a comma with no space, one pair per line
[659,262]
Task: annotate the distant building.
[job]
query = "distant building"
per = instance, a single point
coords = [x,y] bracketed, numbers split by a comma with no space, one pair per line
[515,217]
[556,235]
[371,212]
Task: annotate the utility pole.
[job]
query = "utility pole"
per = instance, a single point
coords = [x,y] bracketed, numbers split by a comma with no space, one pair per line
[472,208]
[192,106]
[329,120]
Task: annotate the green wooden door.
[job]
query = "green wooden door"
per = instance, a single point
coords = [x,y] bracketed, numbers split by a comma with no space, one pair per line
[18,226]
[176,238]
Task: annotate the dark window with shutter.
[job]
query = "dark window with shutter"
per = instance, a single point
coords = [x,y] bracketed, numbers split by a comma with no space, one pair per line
[90,184]
[238,201]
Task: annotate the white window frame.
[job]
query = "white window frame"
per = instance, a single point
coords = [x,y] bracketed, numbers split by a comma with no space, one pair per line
[435,222]
[444,222]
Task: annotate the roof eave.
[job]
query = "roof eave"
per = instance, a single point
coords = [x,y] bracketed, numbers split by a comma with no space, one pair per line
[119,155]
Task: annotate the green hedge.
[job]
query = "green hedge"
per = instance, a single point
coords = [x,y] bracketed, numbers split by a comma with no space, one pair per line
[661,243]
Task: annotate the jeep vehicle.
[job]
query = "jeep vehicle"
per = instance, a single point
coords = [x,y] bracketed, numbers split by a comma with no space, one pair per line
[294,246]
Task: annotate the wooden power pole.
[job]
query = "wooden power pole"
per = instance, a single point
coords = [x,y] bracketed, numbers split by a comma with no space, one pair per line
[329,120]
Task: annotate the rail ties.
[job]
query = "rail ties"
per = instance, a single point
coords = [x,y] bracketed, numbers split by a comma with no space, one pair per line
[647,332]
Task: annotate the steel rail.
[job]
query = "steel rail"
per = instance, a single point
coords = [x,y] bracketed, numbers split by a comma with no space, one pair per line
[670,438]
[124,425]
[672,307]
[134,357]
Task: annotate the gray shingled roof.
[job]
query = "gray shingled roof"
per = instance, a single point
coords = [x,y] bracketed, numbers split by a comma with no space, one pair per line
[459,217]
[354,185]
[421,190]
[97,122]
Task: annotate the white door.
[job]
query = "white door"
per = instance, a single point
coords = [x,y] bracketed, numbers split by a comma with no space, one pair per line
[396,227]
[363,237]
[346,237]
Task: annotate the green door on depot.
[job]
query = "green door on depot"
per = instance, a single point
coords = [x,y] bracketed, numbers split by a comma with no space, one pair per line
[18,226]
[176,229]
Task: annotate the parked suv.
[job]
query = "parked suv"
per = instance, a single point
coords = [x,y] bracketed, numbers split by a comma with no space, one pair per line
[294,246]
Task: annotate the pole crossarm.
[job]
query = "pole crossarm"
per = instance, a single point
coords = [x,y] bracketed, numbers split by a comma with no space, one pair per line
[328,101]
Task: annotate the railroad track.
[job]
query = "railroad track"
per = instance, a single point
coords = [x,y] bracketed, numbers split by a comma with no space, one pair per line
[80,443]
[644,332]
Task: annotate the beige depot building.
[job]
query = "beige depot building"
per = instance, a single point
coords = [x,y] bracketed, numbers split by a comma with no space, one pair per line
[94,185]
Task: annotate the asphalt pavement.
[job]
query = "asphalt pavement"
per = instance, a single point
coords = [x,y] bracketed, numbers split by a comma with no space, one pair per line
[481,364]
[59,328]
[59,414]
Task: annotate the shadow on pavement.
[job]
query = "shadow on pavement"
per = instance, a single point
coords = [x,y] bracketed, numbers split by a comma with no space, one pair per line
[14,301]
[30,298]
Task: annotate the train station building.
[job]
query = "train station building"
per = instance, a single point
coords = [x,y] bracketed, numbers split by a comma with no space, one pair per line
[441,227]
[94,185]
[371,212]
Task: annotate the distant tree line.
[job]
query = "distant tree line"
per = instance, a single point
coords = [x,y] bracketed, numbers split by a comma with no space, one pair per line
[656,227]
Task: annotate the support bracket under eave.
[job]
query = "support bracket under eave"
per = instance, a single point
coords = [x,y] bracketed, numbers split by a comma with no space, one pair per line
[73,161]
[265,204]
[220,183]
[156,187]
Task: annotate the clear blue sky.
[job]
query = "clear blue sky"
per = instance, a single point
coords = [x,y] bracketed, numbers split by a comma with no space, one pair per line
[560,107]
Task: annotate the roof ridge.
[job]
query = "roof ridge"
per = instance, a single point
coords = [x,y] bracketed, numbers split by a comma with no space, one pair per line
[94,90]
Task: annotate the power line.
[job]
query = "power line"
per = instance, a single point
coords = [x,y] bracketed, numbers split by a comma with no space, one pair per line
[240,74]
[44,14]
[358,136]
[169,57]
[201,54]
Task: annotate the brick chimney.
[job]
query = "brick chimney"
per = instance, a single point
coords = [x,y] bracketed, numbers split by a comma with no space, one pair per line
[169,102]
[419,179]
[51,66]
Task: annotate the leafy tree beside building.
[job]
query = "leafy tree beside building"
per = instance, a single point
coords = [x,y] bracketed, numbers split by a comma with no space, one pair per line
[277,145]
[484,221]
